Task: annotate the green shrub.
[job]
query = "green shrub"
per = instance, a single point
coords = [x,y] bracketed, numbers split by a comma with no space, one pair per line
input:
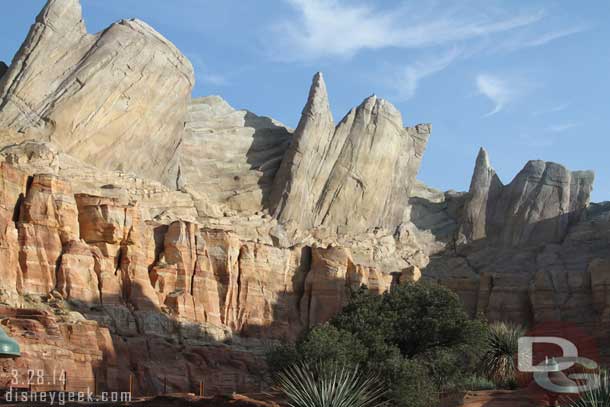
[499,363]
[330,385]
[417,338]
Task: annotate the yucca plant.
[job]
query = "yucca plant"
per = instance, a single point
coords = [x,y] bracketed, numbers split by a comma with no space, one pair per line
[597,394]
[330,385]
[499,363]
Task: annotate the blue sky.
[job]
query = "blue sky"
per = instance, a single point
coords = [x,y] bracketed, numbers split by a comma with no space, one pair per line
[524,79]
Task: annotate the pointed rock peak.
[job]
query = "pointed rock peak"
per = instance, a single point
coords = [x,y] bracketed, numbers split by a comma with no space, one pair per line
[63,16]
[317,101]
[484,175]
[483,160]
[378,107]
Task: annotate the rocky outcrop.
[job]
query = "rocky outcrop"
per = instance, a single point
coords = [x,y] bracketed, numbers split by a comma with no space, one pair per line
[538,206]
[308,162]
[230,156]
[530,251]
[351,178]
[100,97]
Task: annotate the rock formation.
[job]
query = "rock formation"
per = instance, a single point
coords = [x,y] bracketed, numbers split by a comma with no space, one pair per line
[351,178]
[537,206]
[230,156]
[94,95]
[530,250]
[228,230]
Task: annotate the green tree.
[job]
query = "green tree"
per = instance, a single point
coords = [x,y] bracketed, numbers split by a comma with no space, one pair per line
[417,337]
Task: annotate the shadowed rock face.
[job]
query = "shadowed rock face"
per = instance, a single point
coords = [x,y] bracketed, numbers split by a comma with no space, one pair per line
[100,97]
[230,156]
[537,206]
[351,178]
[3,69]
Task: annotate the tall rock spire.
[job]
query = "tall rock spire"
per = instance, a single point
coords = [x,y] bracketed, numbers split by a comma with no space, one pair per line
[484,183]
[351,178]
[63,17]
[372,177]
[307,162]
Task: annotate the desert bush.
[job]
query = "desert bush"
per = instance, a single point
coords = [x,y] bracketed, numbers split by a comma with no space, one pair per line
[597,395]
[477,383]
[499,362]
[417,338]
[330,384]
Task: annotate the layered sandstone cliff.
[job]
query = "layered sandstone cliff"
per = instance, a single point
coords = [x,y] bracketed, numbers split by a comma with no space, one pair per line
[227,229]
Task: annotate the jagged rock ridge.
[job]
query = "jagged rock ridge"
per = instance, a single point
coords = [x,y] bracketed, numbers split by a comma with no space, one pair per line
[537,206]
[351,178]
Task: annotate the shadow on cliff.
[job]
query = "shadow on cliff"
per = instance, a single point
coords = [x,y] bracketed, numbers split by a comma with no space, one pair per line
[165,354]
[269,143]
[511,274]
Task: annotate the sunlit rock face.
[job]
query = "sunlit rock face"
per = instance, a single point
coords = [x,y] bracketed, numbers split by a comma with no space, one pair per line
[230,156]
[352,177]
[101,97]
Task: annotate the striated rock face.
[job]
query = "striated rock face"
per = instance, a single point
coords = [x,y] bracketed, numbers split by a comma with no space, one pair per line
[230,156]
[537,206]
[93,357]
[351,178]
[144,289]
[95,101]
[530,251]
[13,186]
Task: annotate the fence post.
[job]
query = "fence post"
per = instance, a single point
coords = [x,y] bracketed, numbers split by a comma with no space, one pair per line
[131,385]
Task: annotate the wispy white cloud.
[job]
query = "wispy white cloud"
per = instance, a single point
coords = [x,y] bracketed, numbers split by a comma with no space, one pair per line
[560,128]
[547,37]
[406,79]
[499,90]
[340,28]
[553,109]
[532,37]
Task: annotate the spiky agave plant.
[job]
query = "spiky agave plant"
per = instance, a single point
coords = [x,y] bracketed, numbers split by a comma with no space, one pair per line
[499,362]
[330,385]
[596,395]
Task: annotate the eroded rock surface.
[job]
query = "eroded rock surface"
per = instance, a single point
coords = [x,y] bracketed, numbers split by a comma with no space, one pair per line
[538,206]
[351,178]
[100,97]
[230,156]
